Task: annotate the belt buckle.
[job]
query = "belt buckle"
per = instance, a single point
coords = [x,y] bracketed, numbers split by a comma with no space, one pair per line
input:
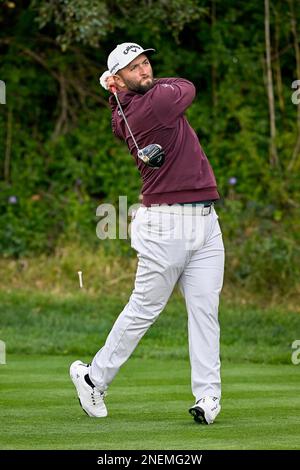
[206,210]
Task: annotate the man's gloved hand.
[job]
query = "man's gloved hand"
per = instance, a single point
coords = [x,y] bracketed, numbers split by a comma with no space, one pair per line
[107,80]
[103,79]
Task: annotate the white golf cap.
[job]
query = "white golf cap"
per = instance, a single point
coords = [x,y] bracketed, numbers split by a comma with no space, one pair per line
[123,54]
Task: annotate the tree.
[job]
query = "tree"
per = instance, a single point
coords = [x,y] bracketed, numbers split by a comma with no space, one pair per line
[296,151]
[273,150]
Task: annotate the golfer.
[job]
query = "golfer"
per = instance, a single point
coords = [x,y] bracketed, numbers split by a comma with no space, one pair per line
[175,233]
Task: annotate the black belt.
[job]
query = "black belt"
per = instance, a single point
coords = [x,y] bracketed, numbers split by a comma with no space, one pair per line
[196,203]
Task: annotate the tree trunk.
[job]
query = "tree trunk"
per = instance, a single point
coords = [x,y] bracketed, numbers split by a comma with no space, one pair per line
[277,65]
[273,150]
[214,66]
[296,151]
[8,146]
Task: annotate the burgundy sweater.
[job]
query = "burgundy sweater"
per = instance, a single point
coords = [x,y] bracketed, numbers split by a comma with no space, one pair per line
[157,117]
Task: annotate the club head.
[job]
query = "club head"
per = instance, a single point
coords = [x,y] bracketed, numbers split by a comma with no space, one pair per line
[152,155]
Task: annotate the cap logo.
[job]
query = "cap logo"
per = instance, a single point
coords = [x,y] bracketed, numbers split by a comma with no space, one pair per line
[114,67]
[133,48]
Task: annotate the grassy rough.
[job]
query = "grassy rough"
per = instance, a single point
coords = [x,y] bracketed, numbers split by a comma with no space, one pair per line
[44,323]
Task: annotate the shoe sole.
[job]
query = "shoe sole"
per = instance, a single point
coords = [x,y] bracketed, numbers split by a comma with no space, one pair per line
[84,409]
[198,415]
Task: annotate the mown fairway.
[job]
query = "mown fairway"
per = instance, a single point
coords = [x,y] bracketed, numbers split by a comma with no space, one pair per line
[148,405]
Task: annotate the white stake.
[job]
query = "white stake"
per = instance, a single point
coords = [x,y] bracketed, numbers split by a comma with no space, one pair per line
[80,279]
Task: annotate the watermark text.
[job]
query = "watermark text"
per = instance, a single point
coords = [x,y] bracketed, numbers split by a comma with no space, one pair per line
[296,94]
[296,353]
[2,92]
[2,352]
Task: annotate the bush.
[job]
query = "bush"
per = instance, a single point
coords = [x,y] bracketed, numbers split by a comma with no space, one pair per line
[262,247]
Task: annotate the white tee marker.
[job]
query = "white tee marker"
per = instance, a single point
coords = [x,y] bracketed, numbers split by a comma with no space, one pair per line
[80,279]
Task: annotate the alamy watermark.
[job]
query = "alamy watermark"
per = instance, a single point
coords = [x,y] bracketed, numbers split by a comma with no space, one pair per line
[107,226]
[154,222]
[296,94]
[296,354]
[2,352]
[2,92]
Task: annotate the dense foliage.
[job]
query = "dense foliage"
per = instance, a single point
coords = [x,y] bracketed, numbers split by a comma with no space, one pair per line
[59,159]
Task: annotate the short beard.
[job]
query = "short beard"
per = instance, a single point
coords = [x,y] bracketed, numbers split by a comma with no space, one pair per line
[138,88]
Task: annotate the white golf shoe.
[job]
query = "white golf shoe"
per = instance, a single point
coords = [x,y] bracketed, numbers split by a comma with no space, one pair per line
[90,399]
[206,410]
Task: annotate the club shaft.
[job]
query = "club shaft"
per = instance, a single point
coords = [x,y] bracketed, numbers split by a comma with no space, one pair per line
[124,117]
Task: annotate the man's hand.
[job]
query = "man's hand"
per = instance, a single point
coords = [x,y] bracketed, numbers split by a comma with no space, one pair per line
[107,81]
[111,82]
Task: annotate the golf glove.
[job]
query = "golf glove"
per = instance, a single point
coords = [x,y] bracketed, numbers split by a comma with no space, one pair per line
[103,78]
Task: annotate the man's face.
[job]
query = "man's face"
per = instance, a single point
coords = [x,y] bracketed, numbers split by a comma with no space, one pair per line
[137,76]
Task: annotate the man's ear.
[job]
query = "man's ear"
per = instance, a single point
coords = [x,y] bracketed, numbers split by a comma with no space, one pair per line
[119,82]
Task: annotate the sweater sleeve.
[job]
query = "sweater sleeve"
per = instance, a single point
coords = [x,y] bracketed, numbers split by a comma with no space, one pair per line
[171,97]
[114,111]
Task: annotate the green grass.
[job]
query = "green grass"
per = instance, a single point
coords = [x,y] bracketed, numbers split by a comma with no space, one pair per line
[45,323]
[147,403]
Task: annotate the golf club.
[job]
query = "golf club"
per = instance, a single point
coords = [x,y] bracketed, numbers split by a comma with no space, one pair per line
[153,154]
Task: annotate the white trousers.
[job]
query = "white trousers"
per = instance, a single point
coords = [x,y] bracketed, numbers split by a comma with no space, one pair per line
[174,244]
